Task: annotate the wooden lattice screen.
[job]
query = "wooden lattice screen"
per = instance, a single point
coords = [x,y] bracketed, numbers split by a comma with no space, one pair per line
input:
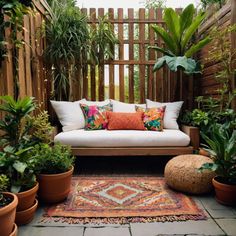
[129,76]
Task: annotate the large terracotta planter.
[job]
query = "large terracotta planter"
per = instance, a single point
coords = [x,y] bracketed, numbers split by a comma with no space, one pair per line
[203,152]
[14,231]
[54,188]
[7,216]
[225,193]
[26,216]
[26,198]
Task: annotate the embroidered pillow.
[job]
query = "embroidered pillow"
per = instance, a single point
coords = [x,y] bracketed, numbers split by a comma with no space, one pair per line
[152,117]
[125,121]
[95,116]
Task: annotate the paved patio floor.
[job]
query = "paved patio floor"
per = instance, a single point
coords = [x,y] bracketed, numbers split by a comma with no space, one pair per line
[221,220]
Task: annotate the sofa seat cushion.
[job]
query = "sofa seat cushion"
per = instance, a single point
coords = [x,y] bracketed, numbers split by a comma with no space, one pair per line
[123,138]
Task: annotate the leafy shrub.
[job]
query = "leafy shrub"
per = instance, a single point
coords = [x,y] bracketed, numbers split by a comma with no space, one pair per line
[52,159]
[4,182]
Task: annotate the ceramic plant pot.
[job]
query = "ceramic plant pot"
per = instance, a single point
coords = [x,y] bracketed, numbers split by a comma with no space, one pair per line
[14,231]
[26,198]
[225,193]
[203,152]
[26,216]
[7,215]
[54,188]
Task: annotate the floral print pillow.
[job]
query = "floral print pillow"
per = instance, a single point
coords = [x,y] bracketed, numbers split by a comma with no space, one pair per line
[152,117]
[95,116]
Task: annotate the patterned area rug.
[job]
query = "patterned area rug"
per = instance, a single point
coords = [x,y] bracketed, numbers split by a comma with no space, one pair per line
[123,200]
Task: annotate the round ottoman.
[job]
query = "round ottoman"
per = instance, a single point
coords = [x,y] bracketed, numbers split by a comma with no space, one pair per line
[181,173]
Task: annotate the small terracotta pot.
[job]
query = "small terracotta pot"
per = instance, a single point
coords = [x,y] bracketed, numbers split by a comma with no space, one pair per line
[203,152]
[26,216]
[26,198]
[54,188]
[7,215]
[15,230]
[225,193]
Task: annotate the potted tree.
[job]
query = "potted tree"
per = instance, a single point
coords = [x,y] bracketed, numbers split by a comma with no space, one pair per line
[8,204]
[222,149]
[54,168]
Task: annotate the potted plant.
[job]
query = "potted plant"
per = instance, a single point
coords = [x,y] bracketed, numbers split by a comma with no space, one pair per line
[54,166]
[8,204]
[222,149]
[21,132]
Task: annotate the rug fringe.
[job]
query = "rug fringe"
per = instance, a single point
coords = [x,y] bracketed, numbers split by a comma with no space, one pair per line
[119,220]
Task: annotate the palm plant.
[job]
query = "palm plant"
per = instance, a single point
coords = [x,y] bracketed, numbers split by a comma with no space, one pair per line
[67,36]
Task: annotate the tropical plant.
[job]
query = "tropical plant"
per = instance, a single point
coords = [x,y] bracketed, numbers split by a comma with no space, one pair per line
[52,159]
[18,166]
[222,149]
[68,40]
[179,48]
[4,183]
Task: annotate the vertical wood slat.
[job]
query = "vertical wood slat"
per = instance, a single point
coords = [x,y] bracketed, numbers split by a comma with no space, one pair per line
[92,13]
[150,91]
[111,66]
[85,76]
[160,75]
[101,78]
[131,55]
[233,48]
[28,77]
[142,55]
[21,67]
[121,55]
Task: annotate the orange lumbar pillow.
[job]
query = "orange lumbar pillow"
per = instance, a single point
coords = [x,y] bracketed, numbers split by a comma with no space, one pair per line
[125,121]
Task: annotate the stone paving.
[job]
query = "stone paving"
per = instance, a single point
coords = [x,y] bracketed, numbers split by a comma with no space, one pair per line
[221,220]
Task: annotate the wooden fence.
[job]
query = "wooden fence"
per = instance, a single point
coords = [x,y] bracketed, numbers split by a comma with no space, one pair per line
[225,17]
[129,77]
[29,77]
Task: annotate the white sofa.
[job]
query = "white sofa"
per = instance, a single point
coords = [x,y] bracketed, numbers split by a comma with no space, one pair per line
[171,141]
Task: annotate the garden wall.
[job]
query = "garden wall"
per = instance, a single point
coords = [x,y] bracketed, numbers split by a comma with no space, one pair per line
[225,17]
[29,76]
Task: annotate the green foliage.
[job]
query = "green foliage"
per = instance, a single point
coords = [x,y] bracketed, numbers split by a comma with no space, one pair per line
[4,183]
[206,3]
[222,149]
[179,49]
[67,34]
[154,4]
[18,166]
[52,159]
[102,41]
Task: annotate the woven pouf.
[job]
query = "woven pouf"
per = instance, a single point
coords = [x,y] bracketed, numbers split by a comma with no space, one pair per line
[181,173]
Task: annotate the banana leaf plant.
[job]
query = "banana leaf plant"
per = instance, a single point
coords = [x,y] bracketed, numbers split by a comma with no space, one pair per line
[179,48]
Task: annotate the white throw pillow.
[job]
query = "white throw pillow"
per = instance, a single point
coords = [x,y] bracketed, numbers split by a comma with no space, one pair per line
[69,114]
[171,112]
[101,103]
[125,107]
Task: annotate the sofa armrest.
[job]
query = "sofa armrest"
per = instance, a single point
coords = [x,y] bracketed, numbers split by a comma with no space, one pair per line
[193,133]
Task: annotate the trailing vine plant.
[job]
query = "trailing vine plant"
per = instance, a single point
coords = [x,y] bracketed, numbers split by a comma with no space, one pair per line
[11,16]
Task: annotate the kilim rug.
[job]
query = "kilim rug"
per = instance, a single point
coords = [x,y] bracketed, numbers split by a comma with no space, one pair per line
[123,200]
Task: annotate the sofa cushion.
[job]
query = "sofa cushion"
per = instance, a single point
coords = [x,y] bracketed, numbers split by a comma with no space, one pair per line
[125,107]
[123,138]
[125,121]
[97,103]
[171,112]
[69,114]
[95,116]
[152,117]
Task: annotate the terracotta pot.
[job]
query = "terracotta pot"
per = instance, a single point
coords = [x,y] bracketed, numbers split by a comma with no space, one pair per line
[203,152]
[225,193]
[26,216]
[54,188]
[7,215]
[26,198]
[14,231]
